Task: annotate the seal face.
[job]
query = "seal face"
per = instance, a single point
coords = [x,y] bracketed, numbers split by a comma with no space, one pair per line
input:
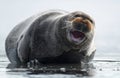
[79,30]
[79,27]
[52,36]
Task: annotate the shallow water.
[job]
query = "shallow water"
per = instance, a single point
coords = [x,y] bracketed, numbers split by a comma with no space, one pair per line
[103,69]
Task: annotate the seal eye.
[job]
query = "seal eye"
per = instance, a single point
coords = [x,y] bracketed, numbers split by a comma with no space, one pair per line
[77,15]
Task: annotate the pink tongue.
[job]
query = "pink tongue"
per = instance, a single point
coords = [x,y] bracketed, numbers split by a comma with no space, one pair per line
[77,34]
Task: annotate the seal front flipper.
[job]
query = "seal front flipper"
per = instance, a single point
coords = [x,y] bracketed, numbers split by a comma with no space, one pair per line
[33,64]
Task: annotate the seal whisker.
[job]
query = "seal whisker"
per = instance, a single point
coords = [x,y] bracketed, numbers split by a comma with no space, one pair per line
[68,25]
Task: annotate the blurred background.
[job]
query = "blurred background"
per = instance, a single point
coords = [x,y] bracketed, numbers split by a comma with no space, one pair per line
[106,14]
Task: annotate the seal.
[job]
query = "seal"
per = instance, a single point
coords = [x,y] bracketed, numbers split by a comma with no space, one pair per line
[52,37]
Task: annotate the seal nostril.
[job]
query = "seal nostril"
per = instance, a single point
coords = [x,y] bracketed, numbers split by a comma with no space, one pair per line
[79,26]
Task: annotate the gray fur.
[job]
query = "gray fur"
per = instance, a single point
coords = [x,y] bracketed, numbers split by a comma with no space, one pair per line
[41,37]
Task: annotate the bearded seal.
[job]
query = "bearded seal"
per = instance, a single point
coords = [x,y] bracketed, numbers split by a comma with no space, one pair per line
[52,37]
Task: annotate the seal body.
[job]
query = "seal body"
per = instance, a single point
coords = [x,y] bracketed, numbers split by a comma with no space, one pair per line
[52,37]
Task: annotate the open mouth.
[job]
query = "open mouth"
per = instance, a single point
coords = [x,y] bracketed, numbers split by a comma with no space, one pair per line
[77,36]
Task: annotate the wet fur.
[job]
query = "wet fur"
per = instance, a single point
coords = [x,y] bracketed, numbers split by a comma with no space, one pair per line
[42,37]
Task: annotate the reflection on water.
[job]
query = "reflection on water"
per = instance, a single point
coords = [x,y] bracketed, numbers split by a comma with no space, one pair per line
[83,69]
[63,71]
[102,67]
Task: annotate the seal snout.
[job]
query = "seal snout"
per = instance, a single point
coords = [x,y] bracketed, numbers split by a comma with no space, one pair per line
[79,27]
[81,24]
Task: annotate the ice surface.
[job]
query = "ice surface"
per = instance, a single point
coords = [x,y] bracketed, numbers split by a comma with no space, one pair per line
[106,14]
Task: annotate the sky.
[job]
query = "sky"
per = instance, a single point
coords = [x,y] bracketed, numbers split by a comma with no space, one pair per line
[106,14]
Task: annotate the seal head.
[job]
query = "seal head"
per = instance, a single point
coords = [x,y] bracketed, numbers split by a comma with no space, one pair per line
[78,29]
